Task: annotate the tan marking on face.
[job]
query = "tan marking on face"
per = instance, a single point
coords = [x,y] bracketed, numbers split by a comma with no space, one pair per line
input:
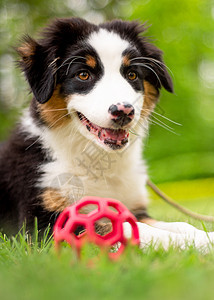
[151,96]
[27,49]
[126,61]
[54,201]
[54,111]
[90,61]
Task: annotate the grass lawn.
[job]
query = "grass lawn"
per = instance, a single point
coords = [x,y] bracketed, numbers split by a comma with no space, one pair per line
[31,271]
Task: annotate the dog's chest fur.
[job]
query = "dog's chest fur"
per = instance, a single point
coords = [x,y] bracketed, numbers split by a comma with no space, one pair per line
[78,163]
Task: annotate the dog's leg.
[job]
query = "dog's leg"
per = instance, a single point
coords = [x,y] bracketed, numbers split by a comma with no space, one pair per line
[151,235]
[170,233]
[176,227]
[183,228]
[161,237]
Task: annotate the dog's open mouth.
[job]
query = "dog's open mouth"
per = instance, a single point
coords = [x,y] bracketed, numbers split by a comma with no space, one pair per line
[114,138]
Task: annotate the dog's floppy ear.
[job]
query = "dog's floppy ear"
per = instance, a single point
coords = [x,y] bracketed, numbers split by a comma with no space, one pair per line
[39,60]
[38,65]
[158,75]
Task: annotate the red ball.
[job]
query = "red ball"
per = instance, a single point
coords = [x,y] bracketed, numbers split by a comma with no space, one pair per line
[71,219]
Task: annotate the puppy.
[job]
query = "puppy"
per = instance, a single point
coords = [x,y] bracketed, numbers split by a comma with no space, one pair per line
[93,88]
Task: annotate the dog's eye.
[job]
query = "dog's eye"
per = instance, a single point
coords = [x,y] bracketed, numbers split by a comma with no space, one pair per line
[132,75]
[83,75]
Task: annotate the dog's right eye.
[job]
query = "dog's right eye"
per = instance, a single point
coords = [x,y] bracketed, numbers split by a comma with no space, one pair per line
[83,75]
[132,75]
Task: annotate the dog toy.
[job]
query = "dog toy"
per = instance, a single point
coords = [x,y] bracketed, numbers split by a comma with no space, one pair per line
[74,217]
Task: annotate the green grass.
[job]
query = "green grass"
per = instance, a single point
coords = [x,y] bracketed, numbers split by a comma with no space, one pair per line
[29,270]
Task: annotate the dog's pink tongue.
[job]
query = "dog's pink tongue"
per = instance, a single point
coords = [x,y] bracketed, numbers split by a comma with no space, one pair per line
[117,135]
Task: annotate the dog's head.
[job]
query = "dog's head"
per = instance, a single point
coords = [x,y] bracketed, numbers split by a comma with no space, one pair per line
[104,79]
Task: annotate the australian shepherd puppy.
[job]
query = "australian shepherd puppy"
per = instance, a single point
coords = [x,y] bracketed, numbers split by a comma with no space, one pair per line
[93,88]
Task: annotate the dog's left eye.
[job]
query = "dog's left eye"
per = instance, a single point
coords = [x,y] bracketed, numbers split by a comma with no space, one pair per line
[131,75]
[83,75]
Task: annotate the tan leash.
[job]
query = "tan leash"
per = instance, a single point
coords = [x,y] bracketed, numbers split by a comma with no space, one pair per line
[182,209]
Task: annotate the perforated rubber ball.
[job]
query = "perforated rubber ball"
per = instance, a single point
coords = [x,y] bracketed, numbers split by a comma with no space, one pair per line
[77,223]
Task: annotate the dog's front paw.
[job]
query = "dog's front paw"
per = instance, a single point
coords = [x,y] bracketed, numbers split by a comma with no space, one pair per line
[160,237]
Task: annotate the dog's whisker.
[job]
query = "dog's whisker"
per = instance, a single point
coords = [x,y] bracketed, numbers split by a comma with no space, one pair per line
[153,122]
[39,138]
[164,117]
[148,58]
[132,131]
[73,60]
[69,65]
[167,119]
[161,122]
[150,68]
[57,109]
[65,61]
[143,123]
[54,123]
[155,61]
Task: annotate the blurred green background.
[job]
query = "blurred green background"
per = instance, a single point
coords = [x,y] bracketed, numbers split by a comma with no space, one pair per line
[183,29]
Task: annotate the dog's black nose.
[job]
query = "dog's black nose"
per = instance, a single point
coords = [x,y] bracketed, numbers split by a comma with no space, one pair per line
[121,113]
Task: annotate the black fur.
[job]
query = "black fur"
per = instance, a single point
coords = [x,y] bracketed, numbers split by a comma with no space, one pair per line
[20,159]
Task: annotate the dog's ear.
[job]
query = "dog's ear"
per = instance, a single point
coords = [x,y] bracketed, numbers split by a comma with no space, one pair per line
[157,73]
[39,60]
[38,65]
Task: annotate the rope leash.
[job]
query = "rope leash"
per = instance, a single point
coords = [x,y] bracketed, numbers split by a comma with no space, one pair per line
[179,207]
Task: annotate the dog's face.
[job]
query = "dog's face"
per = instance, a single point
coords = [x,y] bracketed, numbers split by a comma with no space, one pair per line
[104,80]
